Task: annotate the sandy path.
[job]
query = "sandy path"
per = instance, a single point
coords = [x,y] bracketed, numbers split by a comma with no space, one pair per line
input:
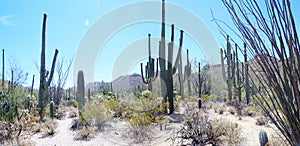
[249,129]
[64,136]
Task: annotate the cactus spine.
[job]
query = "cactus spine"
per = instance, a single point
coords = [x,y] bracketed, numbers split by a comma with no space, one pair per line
[149,68]
[229,78]
[51,109]
[246,75]
[44,84]
[80,90]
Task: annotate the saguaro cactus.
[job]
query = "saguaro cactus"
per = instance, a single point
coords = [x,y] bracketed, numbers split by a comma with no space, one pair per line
[247,90]
[166,63]
[80,90]
[51,109]
[44,84]
[150,75]
[229,78]
[239,84]
[199,86]
[89,94]
[188,72]
[222,64]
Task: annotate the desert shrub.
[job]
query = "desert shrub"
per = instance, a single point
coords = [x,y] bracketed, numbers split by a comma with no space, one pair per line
[261,120]
[275,140]
[249,111]
[239,106]
[141,112]
[219,108]
[95,114]
[84,134]
[25,142]
[199,130]
[73,112]
[231,110]
[73,103]
[47,128]
[115,106]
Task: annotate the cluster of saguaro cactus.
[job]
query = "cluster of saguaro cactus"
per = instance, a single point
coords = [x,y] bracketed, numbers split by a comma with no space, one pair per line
[166,65]
[80,90]
[234,78]
[167,69]
[150,74]
[44,83]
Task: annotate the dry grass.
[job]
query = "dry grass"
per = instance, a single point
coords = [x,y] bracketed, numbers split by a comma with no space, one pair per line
[85,133]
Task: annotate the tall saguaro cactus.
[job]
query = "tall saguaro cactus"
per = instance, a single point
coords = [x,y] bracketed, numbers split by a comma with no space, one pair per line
[80,90]
[247,90]
[229,78]
[239,84]
[222,64]
[44,84]
[166,63]
[188,72]
[150,75]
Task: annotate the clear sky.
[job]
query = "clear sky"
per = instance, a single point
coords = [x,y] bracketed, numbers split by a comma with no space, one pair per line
[69,20]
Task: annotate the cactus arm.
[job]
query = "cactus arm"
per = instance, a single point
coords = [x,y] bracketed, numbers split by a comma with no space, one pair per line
[156,74]
[52,67]
[178,58]
[142,74]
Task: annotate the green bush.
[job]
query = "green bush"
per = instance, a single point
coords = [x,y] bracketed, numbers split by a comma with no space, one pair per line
[94,113]
[73,103]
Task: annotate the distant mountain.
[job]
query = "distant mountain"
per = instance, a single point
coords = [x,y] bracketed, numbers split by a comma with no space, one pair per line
[127,82]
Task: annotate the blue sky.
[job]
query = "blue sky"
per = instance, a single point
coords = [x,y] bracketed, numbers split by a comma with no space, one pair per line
[69,20]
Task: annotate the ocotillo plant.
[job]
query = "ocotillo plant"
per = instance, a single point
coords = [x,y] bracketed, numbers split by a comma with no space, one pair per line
[150,75]
[80,90]
[188,72]
[44,84]
[247,90]
[229,79]
[51,109]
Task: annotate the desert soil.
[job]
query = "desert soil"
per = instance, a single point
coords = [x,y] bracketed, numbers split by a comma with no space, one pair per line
[116,133]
